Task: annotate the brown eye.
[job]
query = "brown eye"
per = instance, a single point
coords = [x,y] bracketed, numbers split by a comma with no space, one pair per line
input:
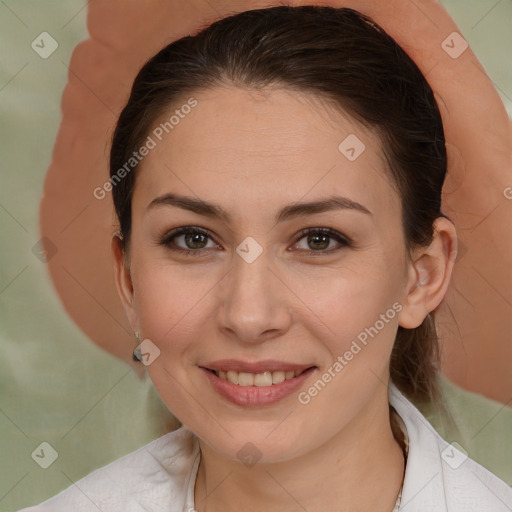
[188,240]
[320,240]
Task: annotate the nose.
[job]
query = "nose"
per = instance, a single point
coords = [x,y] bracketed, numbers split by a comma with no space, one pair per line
[254,302]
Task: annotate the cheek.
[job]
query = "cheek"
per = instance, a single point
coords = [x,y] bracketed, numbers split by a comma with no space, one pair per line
[344,304]
[168,302]
[359,318]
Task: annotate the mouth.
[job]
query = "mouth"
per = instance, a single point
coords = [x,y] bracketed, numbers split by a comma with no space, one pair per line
[247,389]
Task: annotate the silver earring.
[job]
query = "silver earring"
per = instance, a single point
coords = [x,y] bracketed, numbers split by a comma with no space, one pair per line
[137,355]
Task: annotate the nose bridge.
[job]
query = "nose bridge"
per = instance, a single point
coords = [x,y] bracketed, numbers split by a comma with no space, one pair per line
[254,301]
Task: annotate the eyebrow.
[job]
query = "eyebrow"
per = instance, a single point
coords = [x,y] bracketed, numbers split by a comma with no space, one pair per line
[290,211]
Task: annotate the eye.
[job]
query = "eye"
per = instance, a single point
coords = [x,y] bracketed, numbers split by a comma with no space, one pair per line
[191,240]
[187,240]
[318,240]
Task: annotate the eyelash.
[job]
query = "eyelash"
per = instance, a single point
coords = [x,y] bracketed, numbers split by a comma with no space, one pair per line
[168,238]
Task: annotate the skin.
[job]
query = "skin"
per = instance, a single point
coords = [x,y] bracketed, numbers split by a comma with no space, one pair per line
[253,153]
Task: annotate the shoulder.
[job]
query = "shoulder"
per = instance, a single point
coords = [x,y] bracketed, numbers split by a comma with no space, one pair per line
[481,425]
[440,476]
[149,478]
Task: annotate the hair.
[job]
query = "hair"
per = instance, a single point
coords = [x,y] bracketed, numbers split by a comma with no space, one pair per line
[340,56]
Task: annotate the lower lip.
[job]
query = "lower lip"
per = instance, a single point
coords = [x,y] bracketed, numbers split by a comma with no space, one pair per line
[254,396]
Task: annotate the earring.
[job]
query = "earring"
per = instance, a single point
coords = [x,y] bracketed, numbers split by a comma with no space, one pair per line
[137,355]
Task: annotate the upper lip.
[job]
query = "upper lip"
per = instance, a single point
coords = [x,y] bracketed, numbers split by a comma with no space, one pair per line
[271,365]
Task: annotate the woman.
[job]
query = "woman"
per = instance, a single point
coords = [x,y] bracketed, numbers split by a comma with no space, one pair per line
[277,180]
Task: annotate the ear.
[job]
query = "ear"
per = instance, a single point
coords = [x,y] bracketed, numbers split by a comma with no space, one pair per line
[123,279]
[429,273]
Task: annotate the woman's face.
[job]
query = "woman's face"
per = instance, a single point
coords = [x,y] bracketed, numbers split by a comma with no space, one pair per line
[256,287]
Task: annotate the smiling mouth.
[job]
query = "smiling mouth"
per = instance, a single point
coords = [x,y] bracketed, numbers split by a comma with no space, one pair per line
[262,379]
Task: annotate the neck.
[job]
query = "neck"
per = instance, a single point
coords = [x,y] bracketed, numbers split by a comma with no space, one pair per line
[359,468]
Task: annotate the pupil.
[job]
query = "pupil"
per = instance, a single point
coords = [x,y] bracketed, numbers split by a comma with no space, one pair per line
[193,238]
[322,237]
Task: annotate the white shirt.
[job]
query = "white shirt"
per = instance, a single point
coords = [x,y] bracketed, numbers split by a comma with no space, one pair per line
[161,476]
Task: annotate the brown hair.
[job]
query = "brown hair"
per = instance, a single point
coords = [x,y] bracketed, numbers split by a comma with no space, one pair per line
[336,54]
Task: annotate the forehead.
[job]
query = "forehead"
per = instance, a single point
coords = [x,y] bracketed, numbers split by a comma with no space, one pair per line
[277,146]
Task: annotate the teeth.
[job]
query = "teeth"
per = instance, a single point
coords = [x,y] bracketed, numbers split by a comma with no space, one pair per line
[278,377]
[245,379]
[257,379]
[231,376]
